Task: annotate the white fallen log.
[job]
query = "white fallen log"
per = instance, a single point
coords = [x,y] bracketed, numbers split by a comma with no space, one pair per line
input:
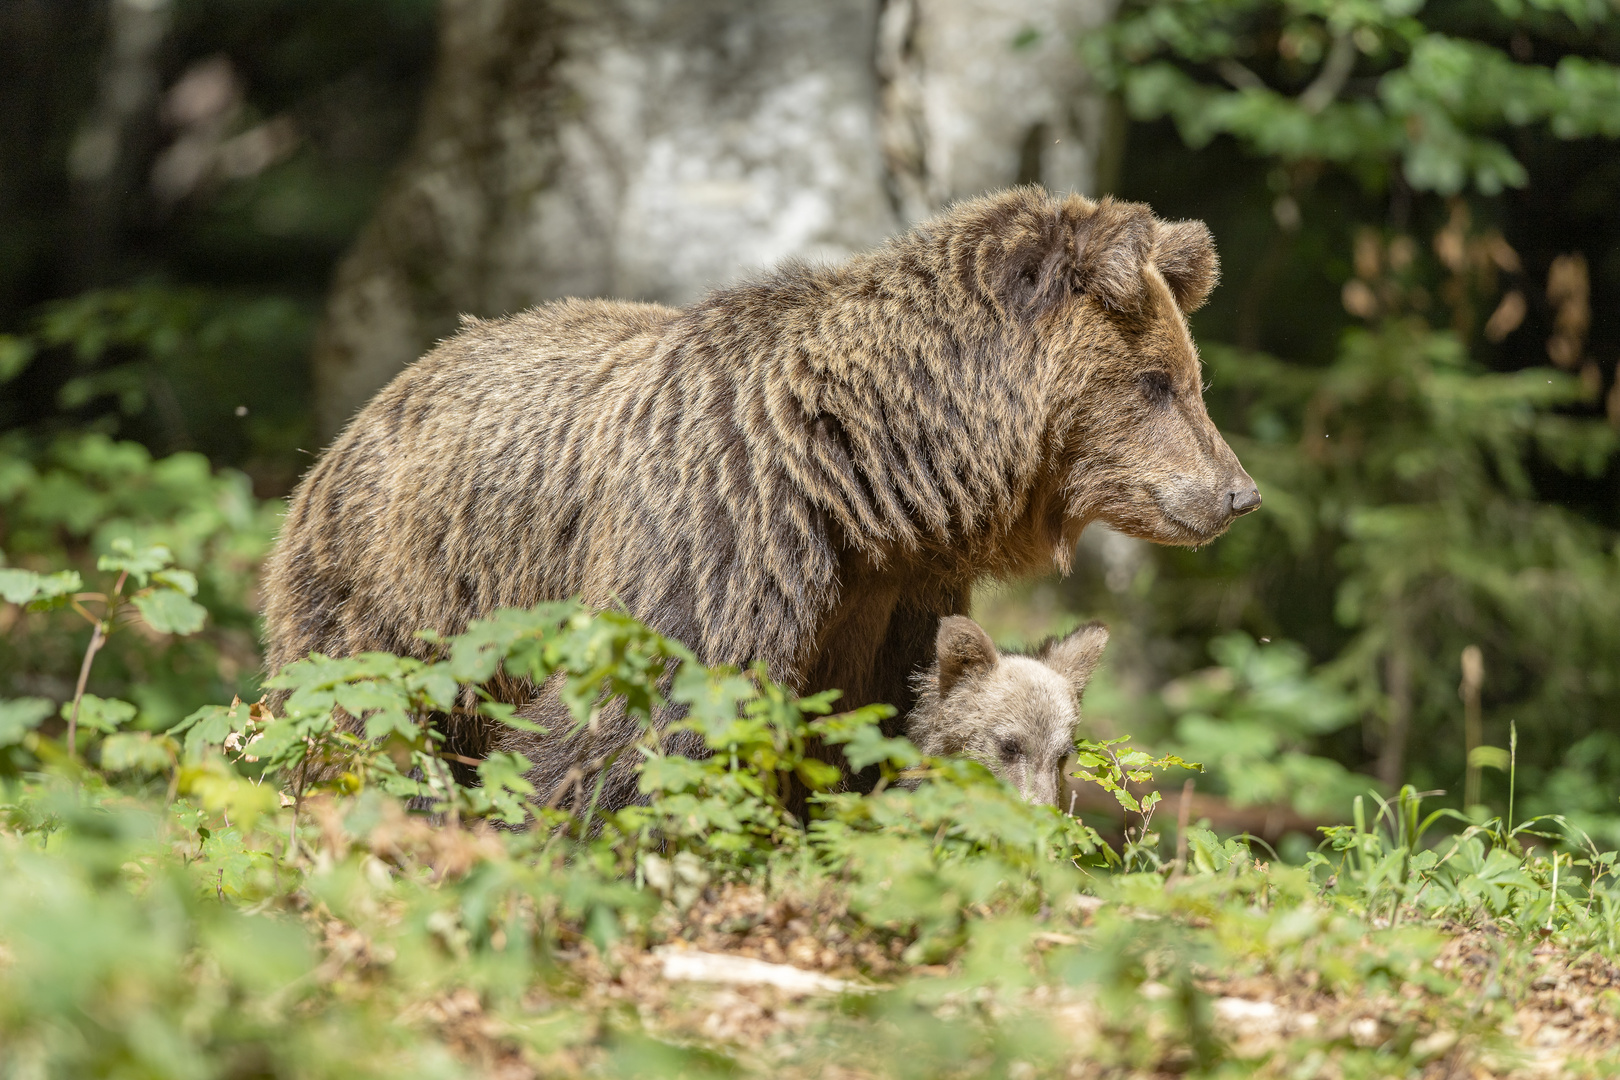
[691,965]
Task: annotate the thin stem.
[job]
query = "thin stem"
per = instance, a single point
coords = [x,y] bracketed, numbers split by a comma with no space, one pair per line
[451,788]
[298,801]
[1513,769]
[1183,815]
[1552,905]
[1341,61]
[98,638]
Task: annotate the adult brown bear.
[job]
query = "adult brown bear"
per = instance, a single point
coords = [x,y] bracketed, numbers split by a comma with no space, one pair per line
[809,469]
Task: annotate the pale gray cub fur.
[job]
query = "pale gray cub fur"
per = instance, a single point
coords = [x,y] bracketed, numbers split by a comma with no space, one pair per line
[1013,714]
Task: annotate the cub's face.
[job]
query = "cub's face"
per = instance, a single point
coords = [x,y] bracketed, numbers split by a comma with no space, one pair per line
[1020,725]
[1015,715]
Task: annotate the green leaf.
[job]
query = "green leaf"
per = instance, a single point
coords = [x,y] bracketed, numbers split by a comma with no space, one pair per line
[260,953]
[183,581]
[170,612]
[138,563]
[506,714]
[436,686]
[869,746]
[671,773]
[20,716]
[511,637]
[818,775]
[208,726]
[863,740]
[503,770]
[100,714]
[15,354]
[39,591]
[138,751]
[382,722]
[217,787]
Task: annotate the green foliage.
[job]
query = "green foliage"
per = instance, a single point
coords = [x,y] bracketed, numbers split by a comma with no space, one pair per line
[918,862]
[193,888]
[259,793]
[1413,474]
[1114,772]
[198,271]
[1394,866]
[1254,720]
[190,540]
[176,365]
[1429,102]
[257,888]
[1433,479]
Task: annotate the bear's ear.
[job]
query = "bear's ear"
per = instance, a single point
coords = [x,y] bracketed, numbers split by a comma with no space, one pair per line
[1112,246]
[1038,253]
[1184,252]
[963,649]
[1030,262]
[1076,656]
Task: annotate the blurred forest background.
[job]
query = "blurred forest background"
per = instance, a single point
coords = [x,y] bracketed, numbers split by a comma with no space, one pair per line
[224,223]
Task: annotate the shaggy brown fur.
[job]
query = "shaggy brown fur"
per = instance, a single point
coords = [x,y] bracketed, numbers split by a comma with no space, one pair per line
[1015,715]
[810,469]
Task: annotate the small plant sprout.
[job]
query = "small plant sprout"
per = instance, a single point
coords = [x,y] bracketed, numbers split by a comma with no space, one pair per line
[162,598]
[1116,771]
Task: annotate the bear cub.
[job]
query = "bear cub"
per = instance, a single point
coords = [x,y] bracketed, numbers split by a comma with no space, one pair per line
[1013,714]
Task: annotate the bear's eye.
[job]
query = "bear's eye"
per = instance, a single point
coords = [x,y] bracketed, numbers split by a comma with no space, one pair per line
[1157,387]
[1010,748]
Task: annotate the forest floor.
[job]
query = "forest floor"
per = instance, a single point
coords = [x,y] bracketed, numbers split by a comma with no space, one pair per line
[1499,1005]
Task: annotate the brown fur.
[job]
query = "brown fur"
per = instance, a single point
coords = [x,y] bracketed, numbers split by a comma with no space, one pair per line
[1015,715]
[810,469]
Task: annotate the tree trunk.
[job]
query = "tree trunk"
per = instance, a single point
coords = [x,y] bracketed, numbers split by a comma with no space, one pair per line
[652,151]
[104,164]
[982,94]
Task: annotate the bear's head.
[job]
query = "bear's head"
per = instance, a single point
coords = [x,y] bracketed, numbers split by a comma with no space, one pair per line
[1016,715]
[1100,293]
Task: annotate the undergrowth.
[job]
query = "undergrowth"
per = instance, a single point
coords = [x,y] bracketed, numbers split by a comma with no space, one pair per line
[237,892]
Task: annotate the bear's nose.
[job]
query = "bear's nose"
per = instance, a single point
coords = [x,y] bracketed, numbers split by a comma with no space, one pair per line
[1243,500]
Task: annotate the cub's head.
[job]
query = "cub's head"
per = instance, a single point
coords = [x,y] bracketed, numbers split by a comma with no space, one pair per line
[1014,714]
[1100,293]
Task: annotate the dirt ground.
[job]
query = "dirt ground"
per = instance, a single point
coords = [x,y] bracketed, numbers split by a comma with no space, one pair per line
[1513,1010]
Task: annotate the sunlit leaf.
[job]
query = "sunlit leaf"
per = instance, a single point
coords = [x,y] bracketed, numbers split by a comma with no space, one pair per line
[20,716]
[170,612]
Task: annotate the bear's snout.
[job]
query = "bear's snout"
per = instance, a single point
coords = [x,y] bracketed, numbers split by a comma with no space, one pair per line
[1243,497]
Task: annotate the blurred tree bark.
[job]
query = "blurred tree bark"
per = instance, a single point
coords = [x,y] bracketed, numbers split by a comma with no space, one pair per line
[981,94]
[113,144]
[653,150]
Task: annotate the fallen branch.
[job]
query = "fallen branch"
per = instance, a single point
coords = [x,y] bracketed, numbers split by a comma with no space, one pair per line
[691,965]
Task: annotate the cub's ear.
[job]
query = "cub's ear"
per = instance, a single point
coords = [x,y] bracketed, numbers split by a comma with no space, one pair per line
[1076,656]
[1184,252]
[963,649]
